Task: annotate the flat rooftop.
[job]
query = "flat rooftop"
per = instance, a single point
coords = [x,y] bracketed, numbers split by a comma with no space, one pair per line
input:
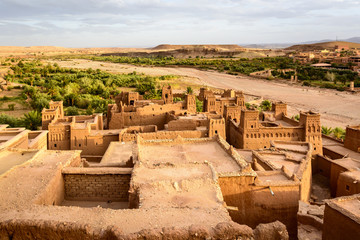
[118,152]
[9,159]
[343,151]
[349,206]
[272,177]
[209,151]
[176,185]
[348,163]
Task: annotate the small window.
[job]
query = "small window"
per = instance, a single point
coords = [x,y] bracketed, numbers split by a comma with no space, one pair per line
[79,145]
[130,117]
[252,126]
[264,146]
[55,145]
[315,148]
[347,188]
[215,131]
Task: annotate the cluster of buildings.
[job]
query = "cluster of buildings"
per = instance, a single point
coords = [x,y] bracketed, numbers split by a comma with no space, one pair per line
[160,169]
[342,56]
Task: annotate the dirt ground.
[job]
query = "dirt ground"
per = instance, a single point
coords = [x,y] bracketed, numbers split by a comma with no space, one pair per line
[336,108]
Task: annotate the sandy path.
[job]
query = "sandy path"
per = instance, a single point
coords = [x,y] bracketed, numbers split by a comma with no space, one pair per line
[336,108]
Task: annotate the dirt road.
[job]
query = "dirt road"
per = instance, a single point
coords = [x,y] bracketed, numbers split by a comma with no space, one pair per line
[336,108]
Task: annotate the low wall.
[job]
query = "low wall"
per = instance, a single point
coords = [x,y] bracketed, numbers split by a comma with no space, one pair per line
[339,226]
[331,154]
[97,184]
[37,139]
[128,137]
[257,205]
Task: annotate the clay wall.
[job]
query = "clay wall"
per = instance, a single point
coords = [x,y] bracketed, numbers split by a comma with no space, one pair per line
[94,145]
[257,205]
[347,185]
[290,121]
[260,138]
[97,184]
[352,138]
[338,226]
[167,95]
[322,165]
[204,93]
[37,139]
[334,176]
[190,103]
[312,130]
[235,136]
[232,112]
[141,129]
[279,109]
[21,142]
[217,127]
[59,137]
[128,137]
[181,124]
[158,109]
[54,192]
[126,119]
[305,176]
[331,154]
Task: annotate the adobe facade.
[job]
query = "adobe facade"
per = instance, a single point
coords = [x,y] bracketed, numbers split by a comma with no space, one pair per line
[352,140]
[151,119]
[252,133]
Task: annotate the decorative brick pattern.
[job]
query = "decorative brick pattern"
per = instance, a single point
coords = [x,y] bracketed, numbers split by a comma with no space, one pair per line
[101,187]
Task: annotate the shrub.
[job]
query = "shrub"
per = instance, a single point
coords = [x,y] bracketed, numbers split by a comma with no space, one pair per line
[72,111]
[11,107]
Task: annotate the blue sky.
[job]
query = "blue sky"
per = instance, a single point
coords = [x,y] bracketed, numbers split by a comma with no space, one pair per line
[144,23]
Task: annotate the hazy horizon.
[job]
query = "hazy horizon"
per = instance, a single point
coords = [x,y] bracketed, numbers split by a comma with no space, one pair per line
[140,23]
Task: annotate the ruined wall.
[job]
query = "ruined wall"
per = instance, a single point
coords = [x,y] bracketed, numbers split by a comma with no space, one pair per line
[338,226]
[97,185]
[256,204]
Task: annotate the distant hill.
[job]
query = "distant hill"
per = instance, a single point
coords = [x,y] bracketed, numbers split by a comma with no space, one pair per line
[225,47]
[322,46]
[287,44]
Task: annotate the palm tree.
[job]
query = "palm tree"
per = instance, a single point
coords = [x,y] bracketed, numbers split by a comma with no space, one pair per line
[326,130]
[32,120]
[265,105]
[339,133]
[189,90]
